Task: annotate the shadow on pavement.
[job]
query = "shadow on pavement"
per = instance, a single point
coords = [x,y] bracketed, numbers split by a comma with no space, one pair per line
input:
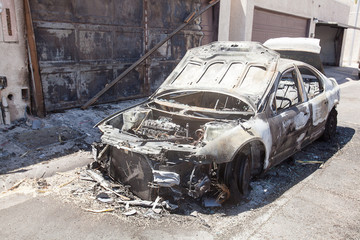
[282,177]
[24,147]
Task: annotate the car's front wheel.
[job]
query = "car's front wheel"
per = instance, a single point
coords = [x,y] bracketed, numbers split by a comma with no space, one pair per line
[330,126]
[238,176]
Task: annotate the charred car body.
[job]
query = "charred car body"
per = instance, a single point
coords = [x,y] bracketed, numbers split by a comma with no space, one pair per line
[228,111]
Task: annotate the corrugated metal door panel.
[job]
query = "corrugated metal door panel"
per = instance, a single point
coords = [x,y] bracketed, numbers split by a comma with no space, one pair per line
[84,44]
[209,23]
[268,25]
[164,17]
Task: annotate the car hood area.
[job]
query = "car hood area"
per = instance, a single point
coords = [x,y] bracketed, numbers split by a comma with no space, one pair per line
[241,69]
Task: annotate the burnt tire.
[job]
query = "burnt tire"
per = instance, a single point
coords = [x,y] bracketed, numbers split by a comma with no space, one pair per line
[330,126]
[238,175]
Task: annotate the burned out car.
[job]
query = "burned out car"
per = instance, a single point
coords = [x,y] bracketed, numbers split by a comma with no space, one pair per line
[228,111]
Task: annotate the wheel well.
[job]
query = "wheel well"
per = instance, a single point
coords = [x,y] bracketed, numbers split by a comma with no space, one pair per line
[257,151]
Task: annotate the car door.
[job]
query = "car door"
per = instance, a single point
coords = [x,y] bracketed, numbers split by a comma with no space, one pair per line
[290,120]
[314,88]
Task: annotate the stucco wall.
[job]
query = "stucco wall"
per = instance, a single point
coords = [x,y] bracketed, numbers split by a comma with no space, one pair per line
[351,50]
[236,17]
[13,65]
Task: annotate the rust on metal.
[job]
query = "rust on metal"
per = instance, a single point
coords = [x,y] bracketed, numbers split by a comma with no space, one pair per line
[83,45]
[134,65]
[8,20]
[190,17]
[33,57]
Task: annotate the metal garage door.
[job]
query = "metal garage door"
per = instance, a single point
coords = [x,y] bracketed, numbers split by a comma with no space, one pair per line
[269,24]
[331,38]
[83,45]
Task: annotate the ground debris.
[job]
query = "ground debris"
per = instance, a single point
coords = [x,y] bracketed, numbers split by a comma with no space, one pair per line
[42,183]
[211,202]
[99,211]
[104,197]
[103,183]
[309,161]
[15,185]
[64,184]
[98,178]
[131,212]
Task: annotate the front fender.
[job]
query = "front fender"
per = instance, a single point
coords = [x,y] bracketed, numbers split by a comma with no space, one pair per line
[226,146]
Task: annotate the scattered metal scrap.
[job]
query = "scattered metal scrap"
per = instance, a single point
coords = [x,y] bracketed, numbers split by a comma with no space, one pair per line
[156,206]
[150,204]
[103,183]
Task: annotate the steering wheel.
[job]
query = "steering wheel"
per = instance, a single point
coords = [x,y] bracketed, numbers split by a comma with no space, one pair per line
[288,104]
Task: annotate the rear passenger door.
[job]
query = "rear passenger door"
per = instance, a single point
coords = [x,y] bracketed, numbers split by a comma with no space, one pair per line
[314,89]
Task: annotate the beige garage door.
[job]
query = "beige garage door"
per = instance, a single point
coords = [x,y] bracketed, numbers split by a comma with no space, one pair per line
[269,24]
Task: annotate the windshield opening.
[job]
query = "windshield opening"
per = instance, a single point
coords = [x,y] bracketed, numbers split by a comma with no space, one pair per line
[207,100]
[255,80]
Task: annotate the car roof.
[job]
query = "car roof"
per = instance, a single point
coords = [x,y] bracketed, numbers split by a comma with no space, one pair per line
[285,63]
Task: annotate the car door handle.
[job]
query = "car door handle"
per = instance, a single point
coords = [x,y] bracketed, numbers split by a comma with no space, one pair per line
[326,102]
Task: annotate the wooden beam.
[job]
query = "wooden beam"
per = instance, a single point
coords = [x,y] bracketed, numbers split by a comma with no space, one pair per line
[157,46]
[36,83]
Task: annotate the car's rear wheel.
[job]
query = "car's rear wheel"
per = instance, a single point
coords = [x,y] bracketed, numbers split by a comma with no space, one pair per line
[330,126]
[238,175]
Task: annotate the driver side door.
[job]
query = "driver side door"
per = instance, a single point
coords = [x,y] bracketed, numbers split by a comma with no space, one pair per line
[290,119]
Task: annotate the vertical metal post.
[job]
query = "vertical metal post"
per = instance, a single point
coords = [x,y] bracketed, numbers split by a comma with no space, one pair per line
[34,65]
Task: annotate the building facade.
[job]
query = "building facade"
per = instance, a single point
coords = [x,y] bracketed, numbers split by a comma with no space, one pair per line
[332,21]
[13,60]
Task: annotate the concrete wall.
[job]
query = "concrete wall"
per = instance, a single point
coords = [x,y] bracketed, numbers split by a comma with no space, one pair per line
[351,53]
[13,65]
[236,17]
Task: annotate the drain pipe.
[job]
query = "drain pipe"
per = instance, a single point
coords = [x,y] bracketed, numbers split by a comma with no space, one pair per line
[4,106]
[1,113]
[6,111]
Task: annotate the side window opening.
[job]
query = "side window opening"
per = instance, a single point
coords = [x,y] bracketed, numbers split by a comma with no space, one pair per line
[313,85]
[287,93]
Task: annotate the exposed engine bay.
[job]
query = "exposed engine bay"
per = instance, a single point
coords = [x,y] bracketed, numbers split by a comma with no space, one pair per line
[164,135]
